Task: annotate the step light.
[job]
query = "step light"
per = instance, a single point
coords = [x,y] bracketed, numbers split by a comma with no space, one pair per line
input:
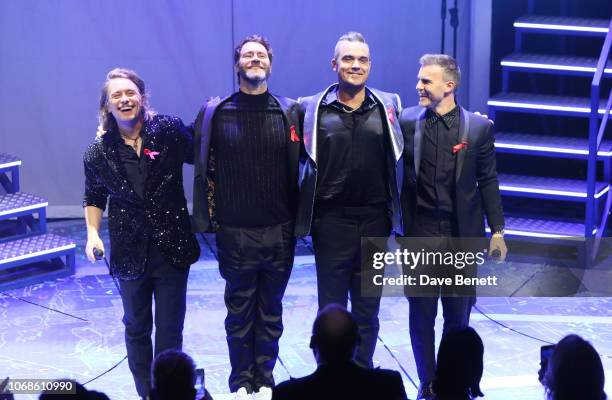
[24,208]
[566,193]
[557,27]
[37,253]
[549,107]
[555,67]
[547,149]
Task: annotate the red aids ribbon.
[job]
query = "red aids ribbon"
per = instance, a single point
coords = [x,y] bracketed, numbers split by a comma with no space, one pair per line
[391,114]
[294,136]
[150,153]
[458,147]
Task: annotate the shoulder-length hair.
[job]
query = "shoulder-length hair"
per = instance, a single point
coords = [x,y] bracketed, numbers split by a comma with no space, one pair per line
[105,118]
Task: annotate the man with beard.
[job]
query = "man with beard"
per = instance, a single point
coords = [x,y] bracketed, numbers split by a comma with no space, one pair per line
[247,160]
[351,182]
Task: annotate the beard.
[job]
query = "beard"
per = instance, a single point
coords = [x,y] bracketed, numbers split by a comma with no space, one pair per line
[254,76]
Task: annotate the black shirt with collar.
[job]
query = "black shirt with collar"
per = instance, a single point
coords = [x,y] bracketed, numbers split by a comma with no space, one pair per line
[135,166]
[351,153]
[436,183]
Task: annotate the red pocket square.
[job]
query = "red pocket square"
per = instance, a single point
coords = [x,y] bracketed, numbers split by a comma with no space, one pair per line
[294,136]
[458,147]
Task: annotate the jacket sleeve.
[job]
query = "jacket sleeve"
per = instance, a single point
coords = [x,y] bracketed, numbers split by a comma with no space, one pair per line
[200,201]
[96,194]
[488,184]
[186,141]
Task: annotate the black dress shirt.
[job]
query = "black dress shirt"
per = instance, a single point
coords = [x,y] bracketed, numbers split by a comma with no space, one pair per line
[135,167]
[351,153]
[436,183]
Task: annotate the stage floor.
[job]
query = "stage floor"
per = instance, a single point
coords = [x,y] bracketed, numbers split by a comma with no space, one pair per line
[72,328]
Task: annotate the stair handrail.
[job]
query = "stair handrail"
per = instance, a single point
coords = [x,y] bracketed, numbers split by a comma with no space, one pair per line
[595,139]
[595,86]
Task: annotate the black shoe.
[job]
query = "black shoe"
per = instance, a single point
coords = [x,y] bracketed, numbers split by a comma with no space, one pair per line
[425,391]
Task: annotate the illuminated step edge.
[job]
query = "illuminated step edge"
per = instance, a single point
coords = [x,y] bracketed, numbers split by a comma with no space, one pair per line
[549,107]
[38,253]
[548,149]
[558,27]
[24,208]
[511,188]
[526,233]
[10,164]
[556,67]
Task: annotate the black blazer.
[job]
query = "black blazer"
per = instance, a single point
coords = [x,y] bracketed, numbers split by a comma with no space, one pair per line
[345,381]
[161,218]
[389,104]
[203,186]
[476,183]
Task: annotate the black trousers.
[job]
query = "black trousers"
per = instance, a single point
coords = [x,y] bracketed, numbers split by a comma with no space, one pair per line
[168,286]
[256,264]
[423,310]
[336,237]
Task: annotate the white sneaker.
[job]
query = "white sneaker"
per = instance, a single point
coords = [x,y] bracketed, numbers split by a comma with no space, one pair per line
[264,393]
[242,394]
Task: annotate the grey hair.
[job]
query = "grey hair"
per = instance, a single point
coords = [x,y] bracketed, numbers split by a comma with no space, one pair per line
[348,37]
[449,66]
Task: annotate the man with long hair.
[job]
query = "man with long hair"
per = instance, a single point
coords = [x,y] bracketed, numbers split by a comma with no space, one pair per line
[136,165]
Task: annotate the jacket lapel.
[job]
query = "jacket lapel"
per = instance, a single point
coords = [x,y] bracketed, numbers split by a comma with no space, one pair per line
[464,129]
[392,122]
[293,148]
[419,124]
[310,123]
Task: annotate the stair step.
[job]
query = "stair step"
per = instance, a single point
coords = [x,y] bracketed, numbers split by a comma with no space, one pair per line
[34,248]
[543,228]
[20,203]
[8,161]
[548,188]
[553,64]
[551,146]
[562,25]
[544,104]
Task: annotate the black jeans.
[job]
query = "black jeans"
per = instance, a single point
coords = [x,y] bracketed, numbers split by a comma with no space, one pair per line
[336,238]
[168,285]
[256,264]
[423,310]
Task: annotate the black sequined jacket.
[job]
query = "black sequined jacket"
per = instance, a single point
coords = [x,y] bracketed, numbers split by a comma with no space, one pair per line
[161,218]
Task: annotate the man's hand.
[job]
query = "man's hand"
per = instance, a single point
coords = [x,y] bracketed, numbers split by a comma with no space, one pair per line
[497,243]
[93,242]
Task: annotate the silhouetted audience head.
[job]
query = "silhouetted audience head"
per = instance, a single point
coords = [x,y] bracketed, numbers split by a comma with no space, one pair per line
[335,335]
[173,376]
[574,371]
[459,365]
[80,394]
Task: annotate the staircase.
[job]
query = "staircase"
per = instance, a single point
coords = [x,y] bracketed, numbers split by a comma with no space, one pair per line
[28,254]
[581,183]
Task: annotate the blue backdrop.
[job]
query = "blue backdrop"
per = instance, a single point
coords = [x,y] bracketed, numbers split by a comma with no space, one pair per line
[54,55]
